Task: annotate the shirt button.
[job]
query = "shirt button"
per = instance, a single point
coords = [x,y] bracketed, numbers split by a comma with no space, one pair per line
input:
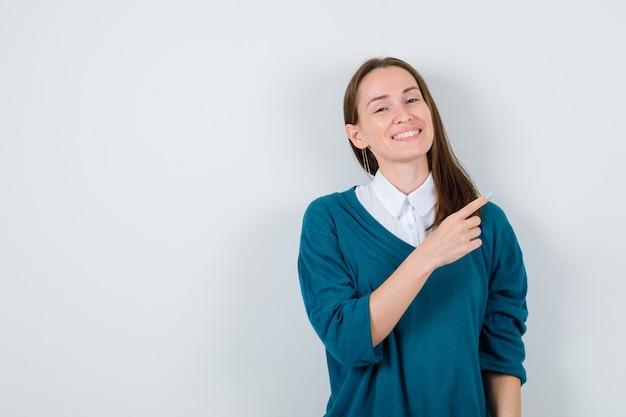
[409,226]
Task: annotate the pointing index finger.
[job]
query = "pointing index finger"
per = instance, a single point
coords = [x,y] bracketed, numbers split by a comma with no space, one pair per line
[473,206]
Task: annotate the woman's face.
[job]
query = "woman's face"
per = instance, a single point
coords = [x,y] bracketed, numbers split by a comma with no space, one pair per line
[394,121]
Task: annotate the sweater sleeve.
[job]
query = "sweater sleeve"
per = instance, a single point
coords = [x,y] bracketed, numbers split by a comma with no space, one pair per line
[501,346]
[338,313]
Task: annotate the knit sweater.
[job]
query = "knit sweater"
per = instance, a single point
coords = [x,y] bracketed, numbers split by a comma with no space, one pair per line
[468,317]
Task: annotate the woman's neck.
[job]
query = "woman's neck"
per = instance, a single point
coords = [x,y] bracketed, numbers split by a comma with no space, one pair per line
[406,177]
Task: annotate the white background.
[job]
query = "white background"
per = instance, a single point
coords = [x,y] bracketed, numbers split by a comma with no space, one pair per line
[156,158]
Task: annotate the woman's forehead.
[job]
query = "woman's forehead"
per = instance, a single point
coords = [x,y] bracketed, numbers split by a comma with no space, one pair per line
[386,81]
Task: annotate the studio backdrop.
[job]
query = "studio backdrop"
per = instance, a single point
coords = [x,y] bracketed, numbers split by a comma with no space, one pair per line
[156,159]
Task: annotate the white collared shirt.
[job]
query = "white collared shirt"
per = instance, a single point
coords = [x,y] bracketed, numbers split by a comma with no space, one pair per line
[406,216]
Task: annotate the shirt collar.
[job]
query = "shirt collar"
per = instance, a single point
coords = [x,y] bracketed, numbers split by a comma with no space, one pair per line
[422,199]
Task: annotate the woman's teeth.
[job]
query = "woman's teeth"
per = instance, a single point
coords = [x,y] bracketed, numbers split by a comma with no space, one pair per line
[405,135]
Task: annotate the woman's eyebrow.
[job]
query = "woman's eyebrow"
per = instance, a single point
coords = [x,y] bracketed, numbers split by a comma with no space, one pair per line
[376,99]
[406,90]
[411,89]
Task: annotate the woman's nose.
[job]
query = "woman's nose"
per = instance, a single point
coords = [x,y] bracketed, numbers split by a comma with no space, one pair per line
[402,115]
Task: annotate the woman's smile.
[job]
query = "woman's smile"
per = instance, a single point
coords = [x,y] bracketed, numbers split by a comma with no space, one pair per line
[408,135]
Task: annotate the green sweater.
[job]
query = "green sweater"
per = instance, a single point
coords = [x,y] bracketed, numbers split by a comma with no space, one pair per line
[469,316]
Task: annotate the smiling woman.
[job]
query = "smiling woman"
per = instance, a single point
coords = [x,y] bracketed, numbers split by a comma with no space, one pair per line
[396,124]
[414,283]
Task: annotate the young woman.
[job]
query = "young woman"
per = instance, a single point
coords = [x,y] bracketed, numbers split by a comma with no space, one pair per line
[414,282]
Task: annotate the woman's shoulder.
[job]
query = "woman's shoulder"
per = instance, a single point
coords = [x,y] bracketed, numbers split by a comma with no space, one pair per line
[326,211]
[333,200]
[493,212]
[493,218]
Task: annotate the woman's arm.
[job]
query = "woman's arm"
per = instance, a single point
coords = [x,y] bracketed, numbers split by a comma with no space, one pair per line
[454,238]
[503,394]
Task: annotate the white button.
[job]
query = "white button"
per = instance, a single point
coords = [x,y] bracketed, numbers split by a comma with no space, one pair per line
[409,226]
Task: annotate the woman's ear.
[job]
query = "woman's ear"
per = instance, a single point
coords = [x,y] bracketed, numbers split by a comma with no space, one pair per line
[355,136]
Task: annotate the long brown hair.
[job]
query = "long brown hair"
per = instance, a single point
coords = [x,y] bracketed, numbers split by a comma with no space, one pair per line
[454,186]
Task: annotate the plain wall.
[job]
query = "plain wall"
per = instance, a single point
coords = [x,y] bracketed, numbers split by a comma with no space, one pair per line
[156,159]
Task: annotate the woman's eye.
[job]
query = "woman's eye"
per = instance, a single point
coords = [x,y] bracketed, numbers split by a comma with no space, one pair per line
[380,109]
[412,100]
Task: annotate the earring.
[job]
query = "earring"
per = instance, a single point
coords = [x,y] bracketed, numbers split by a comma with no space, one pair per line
[366,161]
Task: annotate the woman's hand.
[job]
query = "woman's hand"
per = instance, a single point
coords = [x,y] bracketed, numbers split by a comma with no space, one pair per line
[455,237]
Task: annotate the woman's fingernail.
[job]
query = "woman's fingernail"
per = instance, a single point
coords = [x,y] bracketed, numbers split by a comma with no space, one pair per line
[488,196]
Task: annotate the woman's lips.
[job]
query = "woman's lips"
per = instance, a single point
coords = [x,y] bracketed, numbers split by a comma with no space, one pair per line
[407,134]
